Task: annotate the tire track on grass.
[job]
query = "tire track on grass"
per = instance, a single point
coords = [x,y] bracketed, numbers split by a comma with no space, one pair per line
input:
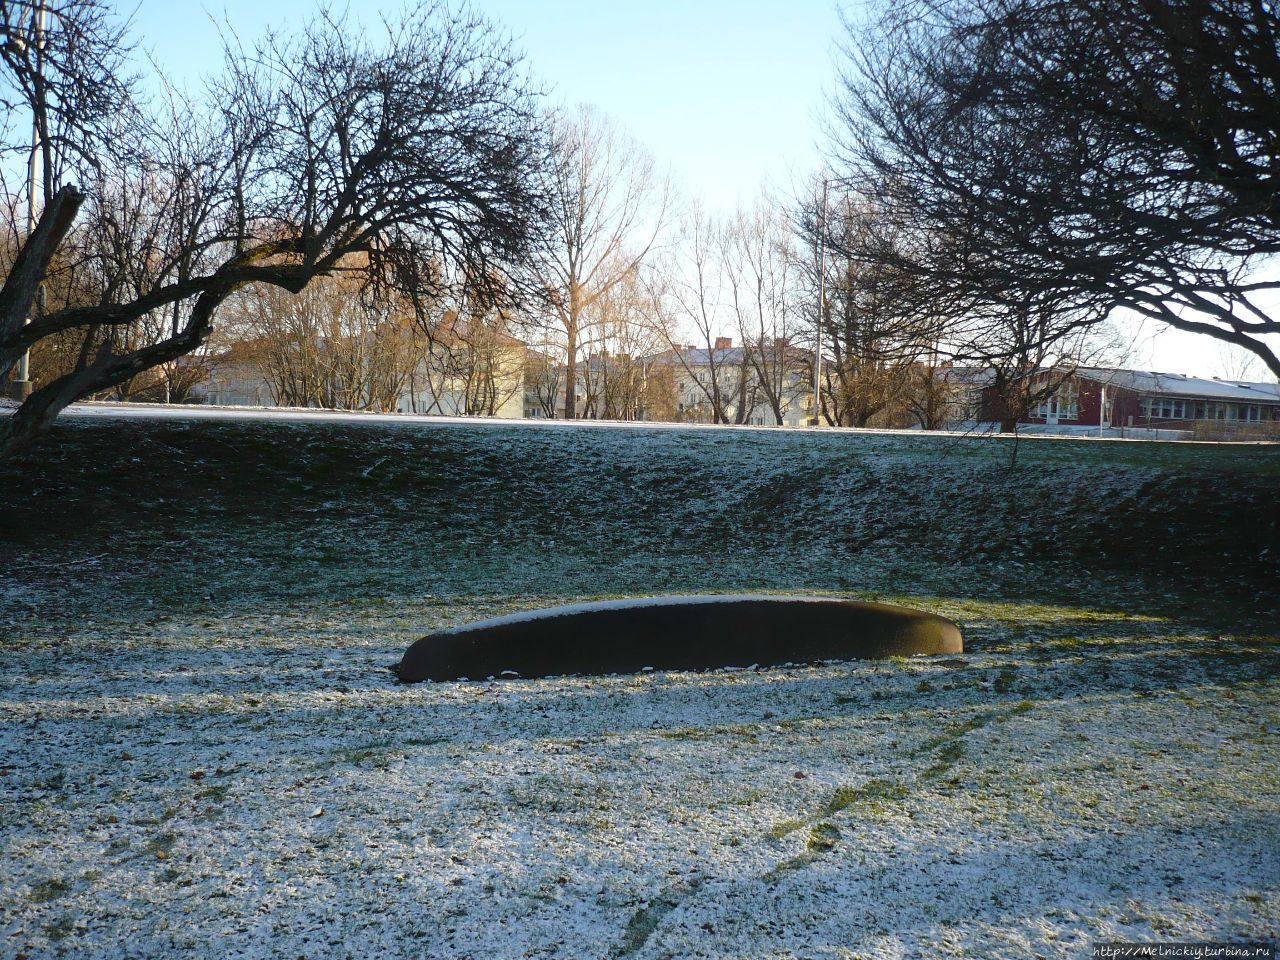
[948,747]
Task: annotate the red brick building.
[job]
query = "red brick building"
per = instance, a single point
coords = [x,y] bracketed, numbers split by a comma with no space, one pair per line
[1100,397]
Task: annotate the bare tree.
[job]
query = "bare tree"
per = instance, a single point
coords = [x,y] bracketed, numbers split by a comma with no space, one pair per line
[326,346]
[1119,154]
[877,328]
[421,149]
[608,208]
[179,378]
[616,375]
[930,395]
[473,365]
[66,78]
[759,267]
[1027,351]
[544,379]
[1237,363]
[689,302]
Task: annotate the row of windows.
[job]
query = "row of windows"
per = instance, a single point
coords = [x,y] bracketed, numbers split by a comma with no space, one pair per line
[1063,405]
[1169,408]
[1162,408]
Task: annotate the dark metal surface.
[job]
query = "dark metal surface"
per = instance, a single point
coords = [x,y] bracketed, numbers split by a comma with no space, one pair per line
[676,633]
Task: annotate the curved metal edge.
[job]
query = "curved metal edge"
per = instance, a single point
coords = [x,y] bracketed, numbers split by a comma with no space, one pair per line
[678,632]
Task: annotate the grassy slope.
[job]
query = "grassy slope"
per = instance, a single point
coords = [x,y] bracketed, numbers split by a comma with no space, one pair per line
[196,618]
[279,513]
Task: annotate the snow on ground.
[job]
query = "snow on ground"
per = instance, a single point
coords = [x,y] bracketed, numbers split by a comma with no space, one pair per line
[152,411]
[201,756]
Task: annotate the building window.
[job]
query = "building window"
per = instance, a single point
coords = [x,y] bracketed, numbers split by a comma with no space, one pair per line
[1164,408]
[1063,405]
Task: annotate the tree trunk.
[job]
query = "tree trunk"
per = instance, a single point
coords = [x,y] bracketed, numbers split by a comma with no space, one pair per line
[108,370]
[29,269]
[571,370]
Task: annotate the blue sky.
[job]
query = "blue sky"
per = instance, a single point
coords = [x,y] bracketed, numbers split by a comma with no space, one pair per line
[723,92]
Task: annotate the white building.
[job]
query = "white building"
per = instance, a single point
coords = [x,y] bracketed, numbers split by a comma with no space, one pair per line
[745,385]
[468,370]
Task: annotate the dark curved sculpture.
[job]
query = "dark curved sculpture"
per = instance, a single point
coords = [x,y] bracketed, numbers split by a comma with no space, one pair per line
[676,633]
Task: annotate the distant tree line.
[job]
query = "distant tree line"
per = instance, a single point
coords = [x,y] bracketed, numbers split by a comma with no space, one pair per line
[1003,177]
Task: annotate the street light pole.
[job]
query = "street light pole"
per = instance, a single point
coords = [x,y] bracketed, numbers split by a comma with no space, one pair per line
[20,387]
[822,304]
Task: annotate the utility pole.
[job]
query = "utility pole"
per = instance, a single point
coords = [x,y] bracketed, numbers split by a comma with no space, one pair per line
[822,304]
[20,387]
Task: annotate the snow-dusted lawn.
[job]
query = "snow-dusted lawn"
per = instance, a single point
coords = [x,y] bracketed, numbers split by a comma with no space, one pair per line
[200,757]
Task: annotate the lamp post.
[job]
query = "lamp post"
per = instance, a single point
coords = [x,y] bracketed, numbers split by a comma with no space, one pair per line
[20,386]
[822,304]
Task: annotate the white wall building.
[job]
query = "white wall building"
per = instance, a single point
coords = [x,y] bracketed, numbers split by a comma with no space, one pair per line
[738,379]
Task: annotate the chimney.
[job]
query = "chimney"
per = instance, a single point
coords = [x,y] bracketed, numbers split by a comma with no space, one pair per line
[724,343]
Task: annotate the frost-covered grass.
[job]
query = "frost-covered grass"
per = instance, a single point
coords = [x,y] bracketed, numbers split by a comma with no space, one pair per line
[202,752]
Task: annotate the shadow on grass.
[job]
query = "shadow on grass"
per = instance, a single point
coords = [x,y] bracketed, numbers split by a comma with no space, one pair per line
[225,694]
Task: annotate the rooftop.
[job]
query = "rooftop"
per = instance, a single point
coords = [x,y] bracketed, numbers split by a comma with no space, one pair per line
[1182,385]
